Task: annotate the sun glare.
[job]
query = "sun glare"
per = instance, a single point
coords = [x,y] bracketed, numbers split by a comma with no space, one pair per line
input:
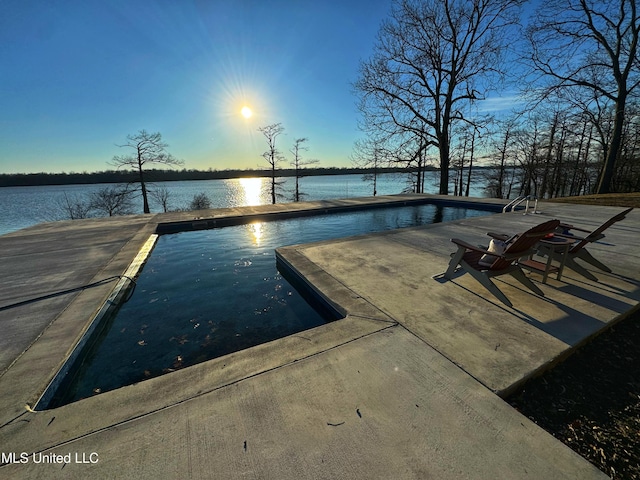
[252,189]
[246,112]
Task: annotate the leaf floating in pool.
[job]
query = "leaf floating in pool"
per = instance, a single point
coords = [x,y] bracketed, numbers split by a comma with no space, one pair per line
[97,390]
[142,343]
[177,363]
[147,373]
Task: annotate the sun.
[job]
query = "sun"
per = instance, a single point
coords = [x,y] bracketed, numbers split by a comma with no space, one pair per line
[246,112]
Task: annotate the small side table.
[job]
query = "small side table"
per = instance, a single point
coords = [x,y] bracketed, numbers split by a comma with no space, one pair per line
[550,247]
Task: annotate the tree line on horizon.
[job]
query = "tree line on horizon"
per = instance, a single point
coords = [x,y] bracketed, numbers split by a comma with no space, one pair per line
[167,175]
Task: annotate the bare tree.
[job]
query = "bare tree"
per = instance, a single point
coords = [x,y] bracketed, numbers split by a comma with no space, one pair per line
[272,155]
[161,195]
[367,153]
[528,146]
[112,200]
[147,148]
[412,154]
[467,138]
[200,202]
[591,46]
[501,175]
[73,207]
[434,59]
[299,163]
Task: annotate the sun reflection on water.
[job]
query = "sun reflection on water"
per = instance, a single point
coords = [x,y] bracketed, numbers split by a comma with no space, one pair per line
[256,230]
[252,192]
[252,189]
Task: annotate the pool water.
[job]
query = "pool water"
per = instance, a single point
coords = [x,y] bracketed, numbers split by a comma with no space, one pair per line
[204,294]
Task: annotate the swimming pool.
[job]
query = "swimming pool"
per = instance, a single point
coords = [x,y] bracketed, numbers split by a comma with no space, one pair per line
[204,294]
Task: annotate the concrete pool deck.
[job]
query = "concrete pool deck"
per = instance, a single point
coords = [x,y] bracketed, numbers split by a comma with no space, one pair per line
[408,385]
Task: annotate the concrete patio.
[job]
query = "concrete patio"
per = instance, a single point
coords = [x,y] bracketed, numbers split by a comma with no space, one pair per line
[407,385]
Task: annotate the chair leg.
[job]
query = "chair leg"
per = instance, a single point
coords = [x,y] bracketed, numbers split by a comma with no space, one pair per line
[585,255]
[570,263]
[576,267]
[456,258]
[488,284]
[519,275]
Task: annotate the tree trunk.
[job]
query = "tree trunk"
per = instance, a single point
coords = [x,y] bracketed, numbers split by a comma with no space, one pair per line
[604,186]
[444,167]
[547,160]
[143,188]
[501,172]
[473,145]
[273,186]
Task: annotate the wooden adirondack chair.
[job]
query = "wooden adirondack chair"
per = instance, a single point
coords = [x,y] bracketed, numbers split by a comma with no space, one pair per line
[578,249]
[470,259]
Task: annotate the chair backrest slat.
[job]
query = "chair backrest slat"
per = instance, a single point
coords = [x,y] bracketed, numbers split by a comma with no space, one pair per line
[596,234]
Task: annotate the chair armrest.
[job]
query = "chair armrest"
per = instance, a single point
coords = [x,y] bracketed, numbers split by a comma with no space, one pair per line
[568,226]
[569,235]
[499,236]
[590,238]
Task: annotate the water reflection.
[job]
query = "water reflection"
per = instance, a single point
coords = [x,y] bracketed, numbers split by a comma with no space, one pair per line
[256,230]
[252,188]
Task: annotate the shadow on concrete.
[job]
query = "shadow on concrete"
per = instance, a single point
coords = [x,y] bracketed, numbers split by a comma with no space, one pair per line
[569,328]
[68,291]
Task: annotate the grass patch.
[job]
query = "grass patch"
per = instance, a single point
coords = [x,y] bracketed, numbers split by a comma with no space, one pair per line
[607,199]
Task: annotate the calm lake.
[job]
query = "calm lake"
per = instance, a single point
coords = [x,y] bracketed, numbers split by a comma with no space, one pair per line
[22,207]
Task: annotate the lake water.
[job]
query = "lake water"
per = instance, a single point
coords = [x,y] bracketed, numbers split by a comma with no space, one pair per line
[22,207]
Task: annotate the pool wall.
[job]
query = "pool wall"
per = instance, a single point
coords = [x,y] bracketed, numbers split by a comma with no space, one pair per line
[325,307]
[319,208]
[119,293]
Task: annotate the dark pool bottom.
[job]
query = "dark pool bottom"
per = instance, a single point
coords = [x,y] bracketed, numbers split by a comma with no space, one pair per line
[204,294]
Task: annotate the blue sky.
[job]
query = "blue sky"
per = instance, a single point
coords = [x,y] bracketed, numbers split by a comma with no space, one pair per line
[77,77]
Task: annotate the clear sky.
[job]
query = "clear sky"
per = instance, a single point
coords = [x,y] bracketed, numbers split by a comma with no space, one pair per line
[77,77]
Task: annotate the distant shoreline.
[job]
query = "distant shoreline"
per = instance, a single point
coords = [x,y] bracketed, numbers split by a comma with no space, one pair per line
[152,175]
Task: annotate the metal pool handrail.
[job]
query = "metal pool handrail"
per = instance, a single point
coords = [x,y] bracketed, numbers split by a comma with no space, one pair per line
[517,201]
